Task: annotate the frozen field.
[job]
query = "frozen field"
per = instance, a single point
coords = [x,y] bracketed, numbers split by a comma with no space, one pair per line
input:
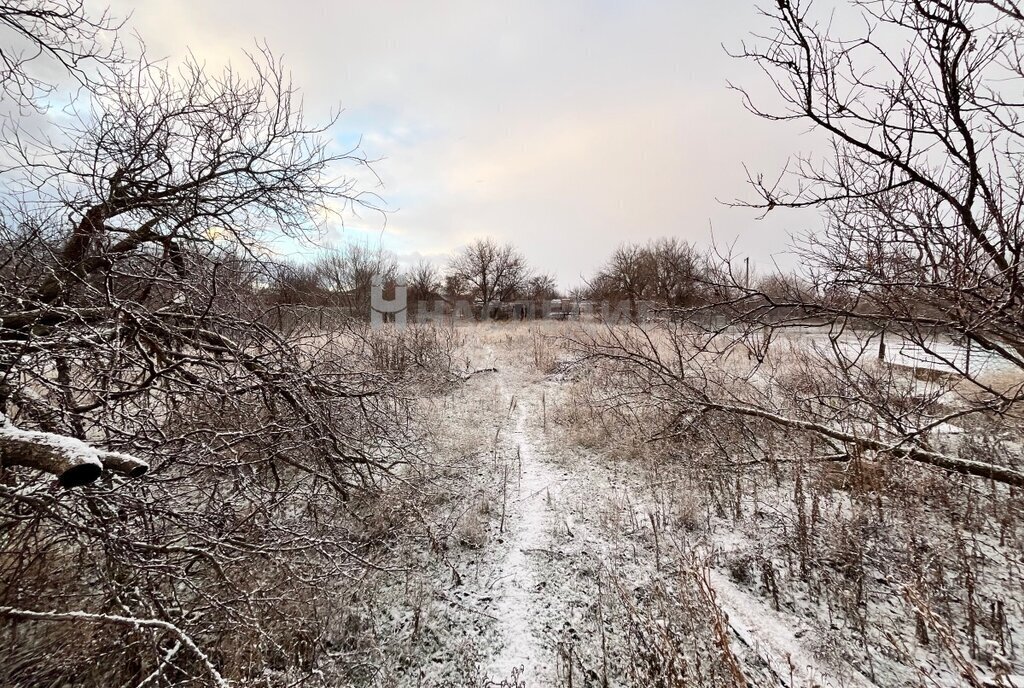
[567,554]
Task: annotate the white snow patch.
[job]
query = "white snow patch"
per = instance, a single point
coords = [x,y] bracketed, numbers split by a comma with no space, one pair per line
[773,638]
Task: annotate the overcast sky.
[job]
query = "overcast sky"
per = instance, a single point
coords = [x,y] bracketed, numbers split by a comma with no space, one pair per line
[564,127]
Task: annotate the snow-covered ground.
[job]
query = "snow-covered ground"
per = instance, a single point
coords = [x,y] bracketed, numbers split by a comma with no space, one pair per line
[554,564]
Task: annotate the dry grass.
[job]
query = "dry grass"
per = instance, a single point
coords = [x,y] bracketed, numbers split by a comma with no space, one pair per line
[839,542]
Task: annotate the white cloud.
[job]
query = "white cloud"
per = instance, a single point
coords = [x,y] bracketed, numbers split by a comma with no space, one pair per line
[563,127]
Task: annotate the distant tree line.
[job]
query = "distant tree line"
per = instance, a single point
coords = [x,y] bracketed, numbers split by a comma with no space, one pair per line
[664,273]
[483,272]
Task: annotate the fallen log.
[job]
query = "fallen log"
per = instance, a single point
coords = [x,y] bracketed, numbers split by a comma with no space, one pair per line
[74,462]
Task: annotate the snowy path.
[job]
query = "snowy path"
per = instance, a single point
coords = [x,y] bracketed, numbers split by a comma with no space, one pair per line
[522,601]
[540,516]
[542,579]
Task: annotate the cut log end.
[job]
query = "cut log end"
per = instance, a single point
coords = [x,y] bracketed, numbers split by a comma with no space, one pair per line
[82,474]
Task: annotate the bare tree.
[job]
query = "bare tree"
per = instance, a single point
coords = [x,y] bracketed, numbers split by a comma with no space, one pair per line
[676,269]
[629,275]
[348,272]
[136,333]
[494,272]
[423,281]
[59,32]
[297,284]
[666,271]
[541,287]
[922,194]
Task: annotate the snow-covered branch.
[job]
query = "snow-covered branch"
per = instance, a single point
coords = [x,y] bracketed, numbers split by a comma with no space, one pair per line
[74,462]
[122,621]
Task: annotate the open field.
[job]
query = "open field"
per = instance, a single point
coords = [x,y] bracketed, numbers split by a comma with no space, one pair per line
[559,504]
[566,549]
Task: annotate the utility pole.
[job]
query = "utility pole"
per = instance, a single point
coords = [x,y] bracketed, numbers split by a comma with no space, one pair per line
[746,261]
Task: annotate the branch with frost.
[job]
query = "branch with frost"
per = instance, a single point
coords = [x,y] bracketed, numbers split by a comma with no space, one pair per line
[640,355]
[164,662]
[158,624]
[980,469]
[74,462]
